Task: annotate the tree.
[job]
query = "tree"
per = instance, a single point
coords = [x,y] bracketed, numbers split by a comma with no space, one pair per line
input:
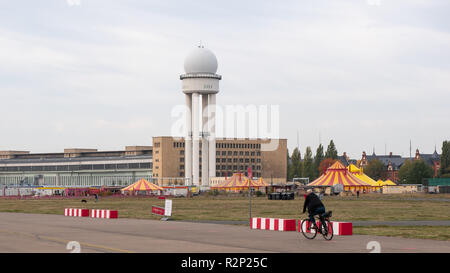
[296,168]
[331,151]
[317,160]
[325,164]
[404,172]
[375,169]
[288,167]
[445,160]
[308,165]
[414,172]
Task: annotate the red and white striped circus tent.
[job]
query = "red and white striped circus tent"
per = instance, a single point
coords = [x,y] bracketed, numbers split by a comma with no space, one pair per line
[339,174]
[142,185]
[239,182]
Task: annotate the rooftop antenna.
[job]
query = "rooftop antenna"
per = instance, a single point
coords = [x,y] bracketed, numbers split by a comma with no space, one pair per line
[410,149]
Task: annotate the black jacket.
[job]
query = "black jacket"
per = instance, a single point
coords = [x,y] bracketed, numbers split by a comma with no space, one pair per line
[313,202]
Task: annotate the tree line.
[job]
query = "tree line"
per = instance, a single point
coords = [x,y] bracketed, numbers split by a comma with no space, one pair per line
[411,172]
[311,166]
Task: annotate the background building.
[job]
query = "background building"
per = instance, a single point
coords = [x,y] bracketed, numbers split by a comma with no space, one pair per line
[76,167]
[163,163]
[232,155]
[393,163]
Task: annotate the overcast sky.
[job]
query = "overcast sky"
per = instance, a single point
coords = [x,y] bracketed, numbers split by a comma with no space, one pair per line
[105,74]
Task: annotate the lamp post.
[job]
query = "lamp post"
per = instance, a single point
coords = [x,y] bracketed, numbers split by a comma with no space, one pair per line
[250,178]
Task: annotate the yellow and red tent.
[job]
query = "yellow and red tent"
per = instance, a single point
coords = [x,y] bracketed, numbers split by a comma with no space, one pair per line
[262,182]
[236,180]
[359,172]
[338,174]
[389,183]
[239,181]
[142,185]
[254,183]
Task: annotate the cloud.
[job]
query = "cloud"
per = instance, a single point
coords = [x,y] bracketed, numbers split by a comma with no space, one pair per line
[103,74]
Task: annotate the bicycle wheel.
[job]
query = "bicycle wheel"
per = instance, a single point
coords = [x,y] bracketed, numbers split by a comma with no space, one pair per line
[327,230]
[307,231]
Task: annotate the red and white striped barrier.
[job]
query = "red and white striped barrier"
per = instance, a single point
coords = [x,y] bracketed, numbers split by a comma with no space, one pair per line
[274,224]
[76,212]
[339,228]
[104,213]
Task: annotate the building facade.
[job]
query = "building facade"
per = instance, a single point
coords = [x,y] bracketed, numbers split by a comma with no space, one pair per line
[163,164]
[232,156]
[76,167]
[393,163]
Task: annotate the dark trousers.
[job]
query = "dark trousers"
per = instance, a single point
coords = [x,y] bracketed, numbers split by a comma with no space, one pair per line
[317,211]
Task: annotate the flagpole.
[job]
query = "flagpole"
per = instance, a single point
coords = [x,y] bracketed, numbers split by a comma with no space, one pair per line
[250,177]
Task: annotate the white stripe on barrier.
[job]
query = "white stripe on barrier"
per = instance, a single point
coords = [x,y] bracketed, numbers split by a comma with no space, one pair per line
[281,224]
[335,228]
[255,223]
[263,223]
[271,224]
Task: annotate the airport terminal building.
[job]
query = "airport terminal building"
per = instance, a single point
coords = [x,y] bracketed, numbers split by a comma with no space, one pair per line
[162,163]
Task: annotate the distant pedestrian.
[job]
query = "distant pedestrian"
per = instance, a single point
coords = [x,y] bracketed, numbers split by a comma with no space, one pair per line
[357,194]
[96,198]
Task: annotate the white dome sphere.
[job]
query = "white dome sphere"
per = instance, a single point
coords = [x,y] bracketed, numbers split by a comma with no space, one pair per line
[200,60]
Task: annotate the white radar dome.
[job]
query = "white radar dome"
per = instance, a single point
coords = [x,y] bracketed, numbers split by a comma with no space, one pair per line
[200,60]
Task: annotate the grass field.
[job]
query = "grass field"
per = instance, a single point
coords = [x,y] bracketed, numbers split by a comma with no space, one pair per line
[236,208]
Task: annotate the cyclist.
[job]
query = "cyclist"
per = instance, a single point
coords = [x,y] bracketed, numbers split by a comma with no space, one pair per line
[315,206]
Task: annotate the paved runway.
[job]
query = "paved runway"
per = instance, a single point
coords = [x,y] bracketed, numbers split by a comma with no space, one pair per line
[51,233]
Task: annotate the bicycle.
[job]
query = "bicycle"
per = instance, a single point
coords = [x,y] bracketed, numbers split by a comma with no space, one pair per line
[326,230]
